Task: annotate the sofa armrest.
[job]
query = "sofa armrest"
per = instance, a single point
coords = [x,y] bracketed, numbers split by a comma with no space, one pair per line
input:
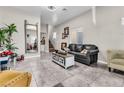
[92,52]
[15,79]
[29,79]
[113,54]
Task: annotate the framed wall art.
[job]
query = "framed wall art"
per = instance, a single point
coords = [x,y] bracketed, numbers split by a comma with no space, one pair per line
[66,31]
[63,45]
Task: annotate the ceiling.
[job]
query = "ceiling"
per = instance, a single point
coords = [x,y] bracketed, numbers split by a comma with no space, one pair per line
[53,17]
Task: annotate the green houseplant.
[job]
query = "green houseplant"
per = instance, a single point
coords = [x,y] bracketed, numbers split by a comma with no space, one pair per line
[9,45]
[3,37]
[6,38]
[9,31]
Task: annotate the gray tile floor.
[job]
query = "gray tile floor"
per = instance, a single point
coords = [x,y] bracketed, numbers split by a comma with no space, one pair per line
[47,74]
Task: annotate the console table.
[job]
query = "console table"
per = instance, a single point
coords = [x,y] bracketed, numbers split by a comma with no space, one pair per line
[63,60]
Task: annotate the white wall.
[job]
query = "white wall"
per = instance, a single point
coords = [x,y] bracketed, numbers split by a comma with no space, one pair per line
[8,16]
[51,31]
[108,33]
[48,29]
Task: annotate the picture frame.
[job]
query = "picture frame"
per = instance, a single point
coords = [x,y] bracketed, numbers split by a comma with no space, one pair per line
[66,31]
[63,45]
[63,36]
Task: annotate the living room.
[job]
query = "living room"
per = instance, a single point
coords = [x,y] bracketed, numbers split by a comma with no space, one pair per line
[58,31]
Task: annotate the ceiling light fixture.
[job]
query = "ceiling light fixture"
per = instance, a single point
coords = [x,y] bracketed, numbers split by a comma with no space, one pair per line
[51,8]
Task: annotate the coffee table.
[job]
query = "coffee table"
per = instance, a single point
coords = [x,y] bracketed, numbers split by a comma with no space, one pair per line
[63,60]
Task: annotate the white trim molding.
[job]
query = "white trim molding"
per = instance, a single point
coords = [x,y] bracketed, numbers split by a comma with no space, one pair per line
[31,56]
[101,61]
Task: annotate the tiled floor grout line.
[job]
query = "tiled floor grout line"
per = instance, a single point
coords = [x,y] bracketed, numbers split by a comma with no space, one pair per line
[72,75]
[34,77]
[41,64]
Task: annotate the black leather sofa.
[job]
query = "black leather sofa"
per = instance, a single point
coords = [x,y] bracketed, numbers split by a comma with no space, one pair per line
[89,58]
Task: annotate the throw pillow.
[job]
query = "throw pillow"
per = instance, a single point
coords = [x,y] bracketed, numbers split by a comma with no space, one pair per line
[78,48]
[84,51]
[88,47]
[72,47]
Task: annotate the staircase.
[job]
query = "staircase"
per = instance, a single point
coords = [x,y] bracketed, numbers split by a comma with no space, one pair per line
[51,47]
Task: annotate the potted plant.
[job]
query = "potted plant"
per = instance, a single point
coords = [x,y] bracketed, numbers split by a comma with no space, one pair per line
[9,45]
[6,38]
[10,30]
[2,37]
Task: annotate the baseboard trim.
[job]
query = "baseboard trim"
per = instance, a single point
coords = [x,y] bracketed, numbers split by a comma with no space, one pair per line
[101,61]
[32,56]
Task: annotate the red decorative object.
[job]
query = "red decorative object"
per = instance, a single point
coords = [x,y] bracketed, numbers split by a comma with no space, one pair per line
[6,53]
[20,58]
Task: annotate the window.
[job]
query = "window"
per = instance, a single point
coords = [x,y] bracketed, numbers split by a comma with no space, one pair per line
[80,37]
[54,35]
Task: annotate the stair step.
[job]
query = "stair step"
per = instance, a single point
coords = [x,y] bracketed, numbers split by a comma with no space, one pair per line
[51,48]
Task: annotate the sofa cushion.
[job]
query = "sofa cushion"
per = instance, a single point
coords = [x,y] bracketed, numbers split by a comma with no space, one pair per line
[76,53]
[79,47]
[118,61]
[89,46]
[118,56]
[72,47]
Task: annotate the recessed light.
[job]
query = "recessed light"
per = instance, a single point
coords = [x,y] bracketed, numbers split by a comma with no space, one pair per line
[51,8]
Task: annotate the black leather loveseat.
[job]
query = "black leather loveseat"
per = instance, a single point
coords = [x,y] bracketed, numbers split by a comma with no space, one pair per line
[90,57]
